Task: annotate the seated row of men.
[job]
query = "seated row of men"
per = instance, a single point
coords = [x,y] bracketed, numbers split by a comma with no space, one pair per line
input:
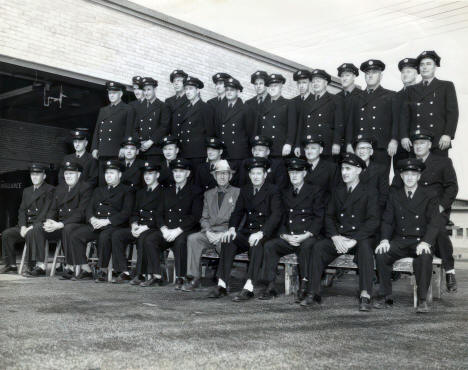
[316,219]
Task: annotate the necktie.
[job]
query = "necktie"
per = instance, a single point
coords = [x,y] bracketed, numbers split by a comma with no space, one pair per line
[346,93]
[317,97]
[259,101]
[295,192]
[177,190]
[230,105]
[350,190]
[303,98]
[220,198]
[410,194]
[255,191]
[426,83]
[370,91]
[108,187]
[128,164]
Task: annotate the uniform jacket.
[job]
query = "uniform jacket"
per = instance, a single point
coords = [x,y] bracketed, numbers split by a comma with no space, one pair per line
[115,203]
[417,218]
[323,117]
[90,168]
[348,100]
[152,123]
[132,176]
[262,211]
[325,175]
[35,205]
[257,108]
[215,102]
[214,218]
[148,206]
[235,126]
[299,105]
[278,122]
[177,108]
[183,209]
[434,108]
[165,174]
[355,215]
[70,206]
[376,114]
[303,212]
[113,124]
[439,176]
[203,177]
[196,125]
[376,176]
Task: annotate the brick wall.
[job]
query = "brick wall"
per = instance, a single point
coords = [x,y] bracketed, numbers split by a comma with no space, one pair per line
[95,40]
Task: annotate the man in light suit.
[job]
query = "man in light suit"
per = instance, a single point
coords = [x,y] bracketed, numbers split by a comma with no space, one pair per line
[218,205]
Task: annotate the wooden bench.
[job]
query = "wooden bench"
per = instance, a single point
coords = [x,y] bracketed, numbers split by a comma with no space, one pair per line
[346,262]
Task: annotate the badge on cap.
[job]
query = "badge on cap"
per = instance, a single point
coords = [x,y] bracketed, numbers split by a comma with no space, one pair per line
[273,76]
[77,132]
[417,132]
[309,137]
[217,75]
[212,140]
[130,138]
[111,84]
[230,80]
[371,62]
[315,72]
[165,139]
[406,60]
[424,53]
[257,73]
[344,65]
[146,164]
[359,136]
[256,138]
[108,163]
[67,164]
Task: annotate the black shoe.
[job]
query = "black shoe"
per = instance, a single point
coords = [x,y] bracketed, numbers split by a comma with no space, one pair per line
[122,278]
[101,277]
[37,272]
[136,281]
[382,303]
[67,274]
[302,292]
[83,275]
[396,275]
[191,286]
[152,281]
[422,306]
[8,269]
[268,294]
[179,283]
[217,292]
[311,300]
[364,304]
[243,296]
[451,282]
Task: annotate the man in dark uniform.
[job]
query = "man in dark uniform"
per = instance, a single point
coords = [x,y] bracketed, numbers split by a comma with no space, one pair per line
[177,103]
[218,79]
[321,172]
[32,212]
[277,120]
[276,172]
[351,222]
[151,121]
[234,123]
[138,92]
[170,149]
[131,175]
[439,176]
[409,71]
[259,203]
[257,103]
[115,122]
[303,204]
[410,225]
[348,73]
[302,78]
[182,205]
[66,213]
[376,113]
[431,105]
[109,210]
[322,115]
[148,202]
[88,164]
[375,175]
[197,124]
[204,177]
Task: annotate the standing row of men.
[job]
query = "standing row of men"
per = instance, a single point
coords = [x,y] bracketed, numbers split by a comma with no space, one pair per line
[164,210]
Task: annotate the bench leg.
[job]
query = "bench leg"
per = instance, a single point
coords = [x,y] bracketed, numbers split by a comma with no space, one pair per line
[46,256]
[429,293]
[436,282]
[23,258]
[290,279]
[58,247]
[109,271]
[415,291]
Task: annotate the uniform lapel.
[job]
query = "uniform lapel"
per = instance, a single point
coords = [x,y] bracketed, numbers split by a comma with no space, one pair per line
[316,104]
[156,105]
[354,196]
[260,196]
[111,111]
[368,98]
[429,90]
[191,110]
[231,112]
[36,194]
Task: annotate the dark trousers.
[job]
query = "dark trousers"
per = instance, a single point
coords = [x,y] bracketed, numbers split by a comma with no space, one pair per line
[381,156]
[153,158]
[10,237]
[444,250]
[40,236]
[194,163]
[401,248]
[154,244]
[437,151]
[102,161]
[325,252]
[84,234]
[240,245]
[236,165]
[274,249]
[400,154]
[120,239]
